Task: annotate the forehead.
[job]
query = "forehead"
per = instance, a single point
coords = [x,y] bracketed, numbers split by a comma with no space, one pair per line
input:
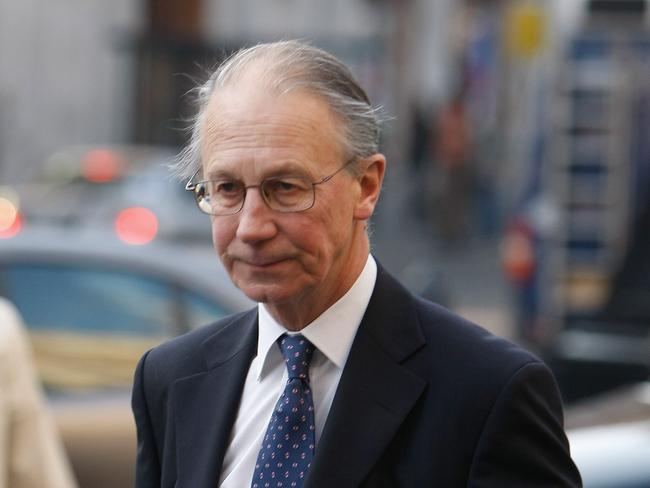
[250,124]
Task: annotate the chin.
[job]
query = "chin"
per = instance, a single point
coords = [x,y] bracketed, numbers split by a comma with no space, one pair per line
[264,284]
[266,293]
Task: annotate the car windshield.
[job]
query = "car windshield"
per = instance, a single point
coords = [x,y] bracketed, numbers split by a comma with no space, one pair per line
[89,326]
[90,300]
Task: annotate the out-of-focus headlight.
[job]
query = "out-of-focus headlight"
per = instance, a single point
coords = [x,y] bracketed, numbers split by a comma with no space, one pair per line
[10,219]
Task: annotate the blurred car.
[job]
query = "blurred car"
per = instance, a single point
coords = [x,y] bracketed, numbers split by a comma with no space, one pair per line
[128,190]
[93,305]
[610,438]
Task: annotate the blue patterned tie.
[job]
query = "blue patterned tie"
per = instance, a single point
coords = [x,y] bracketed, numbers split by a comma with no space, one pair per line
[288,446]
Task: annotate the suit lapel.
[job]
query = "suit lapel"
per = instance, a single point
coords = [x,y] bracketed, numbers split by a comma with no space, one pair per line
[376,391]
[205,404]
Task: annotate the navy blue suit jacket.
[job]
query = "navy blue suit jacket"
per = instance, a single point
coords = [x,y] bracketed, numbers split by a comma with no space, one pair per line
[425,399]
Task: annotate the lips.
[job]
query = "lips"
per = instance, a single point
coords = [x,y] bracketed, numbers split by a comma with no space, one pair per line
[260,262]
[264,264]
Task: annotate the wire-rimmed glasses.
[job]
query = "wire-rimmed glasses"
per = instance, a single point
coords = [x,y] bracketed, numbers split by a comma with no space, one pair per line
[223,196]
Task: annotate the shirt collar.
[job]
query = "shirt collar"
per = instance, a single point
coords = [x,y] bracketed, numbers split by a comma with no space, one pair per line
[332,332]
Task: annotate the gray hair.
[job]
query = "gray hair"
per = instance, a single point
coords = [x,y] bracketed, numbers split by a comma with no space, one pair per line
[288,66]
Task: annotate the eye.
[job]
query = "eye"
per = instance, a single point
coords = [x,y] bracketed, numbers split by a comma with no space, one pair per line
[282,186]
[226,187]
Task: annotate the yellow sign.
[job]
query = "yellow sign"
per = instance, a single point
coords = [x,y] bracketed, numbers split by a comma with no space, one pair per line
[525,29]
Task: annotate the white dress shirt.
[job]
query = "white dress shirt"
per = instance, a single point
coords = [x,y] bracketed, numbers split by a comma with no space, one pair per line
[332,333]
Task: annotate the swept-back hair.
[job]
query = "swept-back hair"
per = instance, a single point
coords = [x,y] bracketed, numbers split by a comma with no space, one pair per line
[287,66]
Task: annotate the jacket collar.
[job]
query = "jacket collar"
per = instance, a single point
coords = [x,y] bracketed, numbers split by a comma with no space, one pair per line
[205,404]
[376,391]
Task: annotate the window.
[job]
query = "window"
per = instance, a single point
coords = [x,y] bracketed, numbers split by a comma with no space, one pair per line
[102,301]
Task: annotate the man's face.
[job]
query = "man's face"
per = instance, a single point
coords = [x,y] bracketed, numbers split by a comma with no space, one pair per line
[283,259]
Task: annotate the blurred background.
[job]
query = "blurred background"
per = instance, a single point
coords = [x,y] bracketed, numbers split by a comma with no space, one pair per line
[517,191]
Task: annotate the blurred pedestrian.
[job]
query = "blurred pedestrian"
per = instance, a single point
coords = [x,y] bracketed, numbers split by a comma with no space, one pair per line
[31,454]
[453,156]
[421,142]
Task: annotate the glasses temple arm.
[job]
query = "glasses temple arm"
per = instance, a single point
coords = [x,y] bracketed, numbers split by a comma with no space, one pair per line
[191,185]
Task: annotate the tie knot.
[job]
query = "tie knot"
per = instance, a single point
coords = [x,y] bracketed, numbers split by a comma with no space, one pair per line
[297,352]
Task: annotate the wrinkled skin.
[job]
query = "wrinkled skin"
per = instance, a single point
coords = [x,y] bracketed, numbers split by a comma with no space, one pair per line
[298,264]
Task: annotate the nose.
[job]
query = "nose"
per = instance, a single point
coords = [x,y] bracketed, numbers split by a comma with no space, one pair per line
[255,219]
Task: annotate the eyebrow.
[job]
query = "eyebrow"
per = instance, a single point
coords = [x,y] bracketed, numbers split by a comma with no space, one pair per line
[218,174]
[282,169]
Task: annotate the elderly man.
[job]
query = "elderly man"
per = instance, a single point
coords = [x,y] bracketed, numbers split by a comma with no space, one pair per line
[340,377]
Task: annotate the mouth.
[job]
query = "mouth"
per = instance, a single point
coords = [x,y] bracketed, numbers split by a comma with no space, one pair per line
[262,263]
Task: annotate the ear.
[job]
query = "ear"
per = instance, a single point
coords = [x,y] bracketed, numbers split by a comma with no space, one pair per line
[370,181]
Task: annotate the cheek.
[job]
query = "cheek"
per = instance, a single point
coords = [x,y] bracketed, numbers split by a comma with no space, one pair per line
[328,234]
[340,218]
[222,235]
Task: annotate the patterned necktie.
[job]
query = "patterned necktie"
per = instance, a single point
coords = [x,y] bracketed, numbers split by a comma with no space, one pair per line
[288,446]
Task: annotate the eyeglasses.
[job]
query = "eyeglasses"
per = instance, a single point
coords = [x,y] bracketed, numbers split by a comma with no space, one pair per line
[283,194]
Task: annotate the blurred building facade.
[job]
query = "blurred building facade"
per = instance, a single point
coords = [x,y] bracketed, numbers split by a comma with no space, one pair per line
[97,72]
[100,72]
[63,77]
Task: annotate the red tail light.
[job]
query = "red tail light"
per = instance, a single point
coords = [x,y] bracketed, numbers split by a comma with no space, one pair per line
[136,225]
[11,222]
[102,166]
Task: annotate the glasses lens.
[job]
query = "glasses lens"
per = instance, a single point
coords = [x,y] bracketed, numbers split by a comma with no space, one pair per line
[288,194]
[202,197]
[219,197]
[226,197]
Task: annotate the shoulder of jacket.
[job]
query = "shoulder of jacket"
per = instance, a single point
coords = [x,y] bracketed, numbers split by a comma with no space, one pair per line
[464,341]
[182,353]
